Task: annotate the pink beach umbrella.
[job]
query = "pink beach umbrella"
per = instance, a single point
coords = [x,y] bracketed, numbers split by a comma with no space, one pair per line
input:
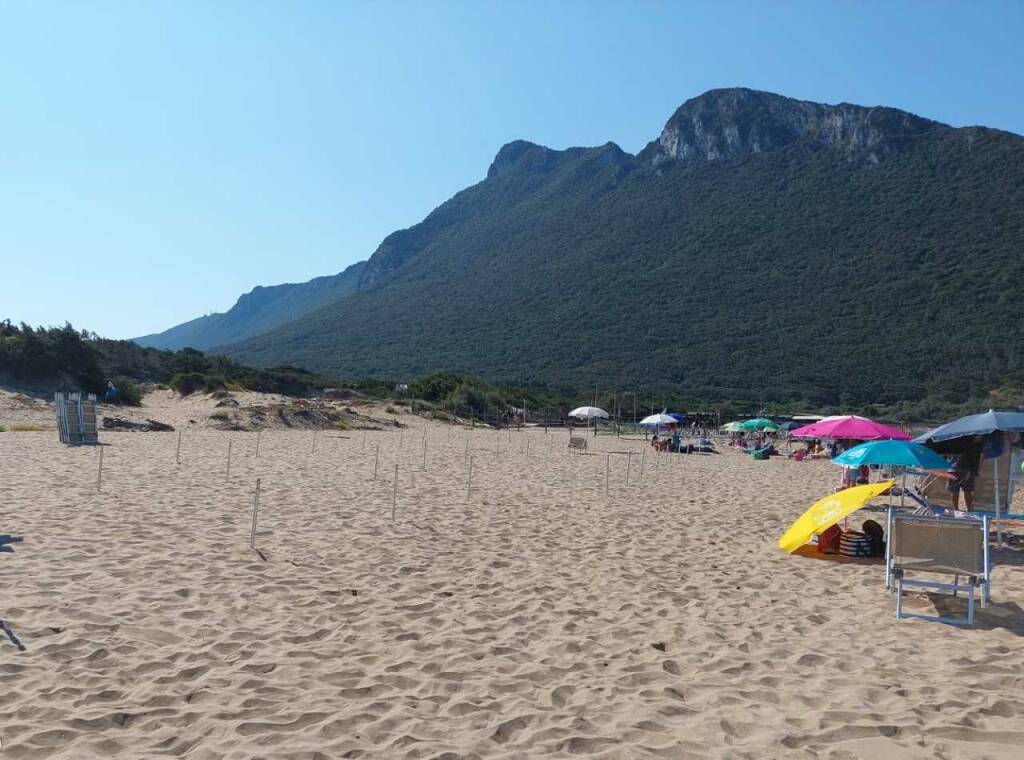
[850,426]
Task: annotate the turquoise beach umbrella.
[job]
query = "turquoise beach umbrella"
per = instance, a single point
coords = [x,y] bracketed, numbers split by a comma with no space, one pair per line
[892,453]
[759,423]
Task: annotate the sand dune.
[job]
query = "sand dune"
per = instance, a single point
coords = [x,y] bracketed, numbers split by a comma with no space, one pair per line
[536,619]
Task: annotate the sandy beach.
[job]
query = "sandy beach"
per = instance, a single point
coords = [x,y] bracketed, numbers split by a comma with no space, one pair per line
[539,617]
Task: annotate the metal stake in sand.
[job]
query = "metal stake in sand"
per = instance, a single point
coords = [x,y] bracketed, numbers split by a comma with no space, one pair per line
[376,461]
[177,451]
[394,494]
[424,453]
[643,456]
[255,511]
[227,470]
[469,479]
[258,434]
[99,472]
[629,465]
[607,463]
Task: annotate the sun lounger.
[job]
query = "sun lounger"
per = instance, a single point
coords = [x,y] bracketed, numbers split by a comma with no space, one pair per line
[938,546]
[578,443]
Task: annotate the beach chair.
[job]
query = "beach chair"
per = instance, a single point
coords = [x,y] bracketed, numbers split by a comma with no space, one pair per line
[938,546]
[577,443]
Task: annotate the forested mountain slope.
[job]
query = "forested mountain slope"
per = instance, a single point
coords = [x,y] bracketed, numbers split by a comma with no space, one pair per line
[761,247]
[259,310]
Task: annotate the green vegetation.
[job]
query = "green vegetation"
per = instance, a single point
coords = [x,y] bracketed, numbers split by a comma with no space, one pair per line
[255,312]
[794,279]
[62,355]
[63,358]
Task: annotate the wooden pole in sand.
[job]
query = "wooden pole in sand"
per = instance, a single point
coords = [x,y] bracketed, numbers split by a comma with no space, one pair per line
[255,511]
[99,472]
[227,470]
[376,461]
[394,495]
[572,464]
[258,434]
[177,451]
[469,480]
[607,463]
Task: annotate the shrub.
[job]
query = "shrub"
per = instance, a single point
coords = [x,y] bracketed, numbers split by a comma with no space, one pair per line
[128,393]
[187,383]
[390,409]
[214,383]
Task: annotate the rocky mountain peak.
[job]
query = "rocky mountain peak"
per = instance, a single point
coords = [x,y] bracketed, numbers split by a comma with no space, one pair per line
[737,121]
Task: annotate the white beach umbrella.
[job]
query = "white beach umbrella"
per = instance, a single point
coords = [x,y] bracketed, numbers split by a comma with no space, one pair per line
[659,419]
[588,413]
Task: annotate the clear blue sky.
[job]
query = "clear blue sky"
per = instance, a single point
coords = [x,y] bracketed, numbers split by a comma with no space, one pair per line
[157,159]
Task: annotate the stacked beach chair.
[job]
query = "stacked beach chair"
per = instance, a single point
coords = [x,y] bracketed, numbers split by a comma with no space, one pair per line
[76,419]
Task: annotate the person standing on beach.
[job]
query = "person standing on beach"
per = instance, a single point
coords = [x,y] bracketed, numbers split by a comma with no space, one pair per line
[963,470]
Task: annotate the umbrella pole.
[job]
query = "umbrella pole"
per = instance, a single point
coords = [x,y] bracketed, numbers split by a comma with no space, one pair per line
[999,530]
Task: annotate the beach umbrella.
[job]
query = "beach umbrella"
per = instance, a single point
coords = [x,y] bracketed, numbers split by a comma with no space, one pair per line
[990,423]
[658,419]
[976,424]
[892,453]
[790,426]
[850,426]
[588,413]
[826,512]
[680,418]
[731,427]
[759,423]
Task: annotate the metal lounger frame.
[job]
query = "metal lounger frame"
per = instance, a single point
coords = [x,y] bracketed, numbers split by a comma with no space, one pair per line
[984,580]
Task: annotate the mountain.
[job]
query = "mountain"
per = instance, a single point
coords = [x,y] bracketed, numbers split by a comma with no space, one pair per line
[760,248]
[259,310]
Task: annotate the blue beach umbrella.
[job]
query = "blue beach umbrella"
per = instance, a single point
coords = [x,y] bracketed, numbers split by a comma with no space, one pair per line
[990,424]
[893,454]
[976,424]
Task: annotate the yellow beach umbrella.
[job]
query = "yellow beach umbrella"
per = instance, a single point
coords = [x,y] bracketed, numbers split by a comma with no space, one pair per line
[828,511]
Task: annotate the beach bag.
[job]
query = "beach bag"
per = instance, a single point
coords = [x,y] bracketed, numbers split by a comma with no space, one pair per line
[876,536]
[828,542]
[855,544]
